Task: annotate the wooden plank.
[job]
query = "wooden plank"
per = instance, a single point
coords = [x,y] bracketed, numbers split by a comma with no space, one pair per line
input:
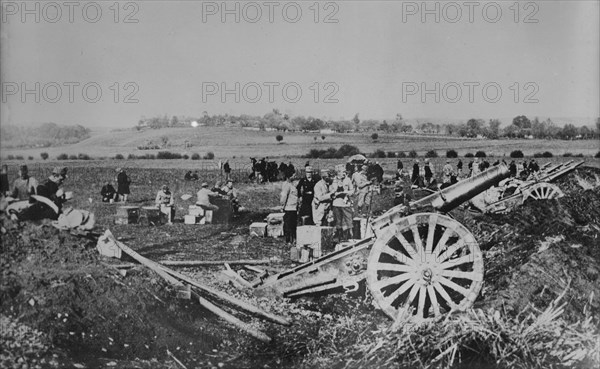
[189,263]
[231,319]
[229,299]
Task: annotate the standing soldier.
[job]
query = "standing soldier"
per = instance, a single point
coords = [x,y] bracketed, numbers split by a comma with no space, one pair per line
[342,205]
[363,192]
[289,203]
[123,183]
[447,174]
[416,172]
[459,167]
[322,198]
[227,170]
[428,173]
[306,188]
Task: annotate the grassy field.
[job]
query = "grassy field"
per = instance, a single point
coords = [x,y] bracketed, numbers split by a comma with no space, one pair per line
[229,142]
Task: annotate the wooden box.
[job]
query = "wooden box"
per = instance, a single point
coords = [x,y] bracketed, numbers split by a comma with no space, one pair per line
[360,228]
[315,237]
[258,229]
[191,219]
[151,215]
[127,215]
[305,255]
[275,218]
[195,211]
[275,230]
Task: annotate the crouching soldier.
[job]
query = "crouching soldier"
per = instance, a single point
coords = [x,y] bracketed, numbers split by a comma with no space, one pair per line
[164,201]
[108,193]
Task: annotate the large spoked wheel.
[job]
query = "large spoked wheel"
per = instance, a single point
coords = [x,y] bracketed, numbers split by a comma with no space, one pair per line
[426,265]
[543,191]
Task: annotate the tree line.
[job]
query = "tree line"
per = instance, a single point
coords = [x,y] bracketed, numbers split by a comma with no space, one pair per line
[43,135]
[520,127]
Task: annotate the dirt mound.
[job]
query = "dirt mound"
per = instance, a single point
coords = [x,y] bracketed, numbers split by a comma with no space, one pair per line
[55,283]
[541,249]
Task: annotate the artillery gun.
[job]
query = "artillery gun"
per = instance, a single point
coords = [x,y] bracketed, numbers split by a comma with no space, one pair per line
[514,192]
[418,260]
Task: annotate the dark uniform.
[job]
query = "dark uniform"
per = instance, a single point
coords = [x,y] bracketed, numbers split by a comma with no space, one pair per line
[306,188]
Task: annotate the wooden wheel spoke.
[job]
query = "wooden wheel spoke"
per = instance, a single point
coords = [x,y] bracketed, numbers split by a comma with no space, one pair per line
[400,257]
[429,243]
[442,242]
[433,299]
[458,261]
[450,251]
[422,295]
[394,295]
[417,238]
[407,246]
[413,292]
[463,291]
[442,291]
[403,268]
[474,276]
[382,283]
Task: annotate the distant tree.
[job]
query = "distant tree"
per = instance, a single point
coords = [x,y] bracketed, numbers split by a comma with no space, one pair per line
[569,132]
[480,154]
[195,156]
[493,131]
[315,138]
[431,154]
[412,154]
[323,137]
[517,154]
[279,138]
[522,122]
[44,155]
[469,155]
[374,136]
[451,154]
[164,140]
[356,122]
[30,157]
[119,157]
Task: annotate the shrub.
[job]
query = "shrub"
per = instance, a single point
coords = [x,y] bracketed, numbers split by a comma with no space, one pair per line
[30,157]
[130,156]
[469,155]
[44,155]
[83,157]
[348,150]
[10,157]
[378,154]
[279,138]
[517,154]
[374,136]
[209,155]
[391,154]
[119,157]
[168,155]
[401,154]
[62,157]
[19,157]
[72,157]
[480,154]
[431,154]
[580,155]
[195,156]
[547,154]
[567,155]
[451,154]
[185,156]
[412,154]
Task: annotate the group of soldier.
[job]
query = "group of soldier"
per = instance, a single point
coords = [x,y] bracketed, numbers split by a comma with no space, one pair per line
[326,198]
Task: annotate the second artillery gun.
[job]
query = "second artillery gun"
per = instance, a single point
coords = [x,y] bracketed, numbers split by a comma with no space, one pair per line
[418,260]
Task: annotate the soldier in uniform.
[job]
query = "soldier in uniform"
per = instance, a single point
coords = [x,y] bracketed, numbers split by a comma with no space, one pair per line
[306,188]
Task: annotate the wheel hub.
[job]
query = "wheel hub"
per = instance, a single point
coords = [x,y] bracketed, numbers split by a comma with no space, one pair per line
[427,275]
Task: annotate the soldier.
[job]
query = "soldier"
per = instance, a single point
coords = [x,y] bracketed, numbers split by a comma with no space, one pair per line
[289,203]
[363,186]
[306,188]
[164,202]
[447,174]
[342,205]
[323,198]
[123,183]
[428,173]
[24,186]
[416,174]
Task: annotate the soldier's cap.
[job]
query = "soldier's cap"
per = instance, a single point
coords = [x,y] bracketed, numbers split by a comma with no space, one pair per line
[308,169]
[119,169]
[23,168]
[204,184]
[324,172]
[164,187]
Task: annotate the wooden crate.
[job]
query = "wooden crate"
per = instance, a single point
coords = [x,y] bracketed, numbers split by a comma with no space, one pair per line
[127,215]
[225,213]
[191,219]
[315,237]
[258,229]
[195,211]
[275,230]
[151,215]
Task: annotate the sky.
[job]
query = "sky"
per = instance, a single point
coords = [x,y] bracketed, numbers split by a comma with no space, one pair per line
[108,63]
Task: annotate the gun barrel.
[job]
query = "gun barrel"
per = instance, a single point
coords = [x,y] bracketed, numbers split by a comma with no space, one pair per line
[451,197]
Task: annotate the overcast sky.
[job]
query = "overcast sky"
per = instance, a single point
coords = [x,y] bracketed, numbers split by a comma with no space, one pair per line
[369,57]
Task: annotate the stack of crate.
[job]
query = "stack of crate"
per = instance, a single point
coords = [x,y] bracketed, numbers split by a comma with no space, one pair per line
[311,241]
[197,215]
[127,215]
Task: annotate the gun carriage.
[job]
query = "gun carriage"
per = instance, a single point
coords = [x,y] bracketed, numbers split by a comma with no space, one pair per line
[416,260]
